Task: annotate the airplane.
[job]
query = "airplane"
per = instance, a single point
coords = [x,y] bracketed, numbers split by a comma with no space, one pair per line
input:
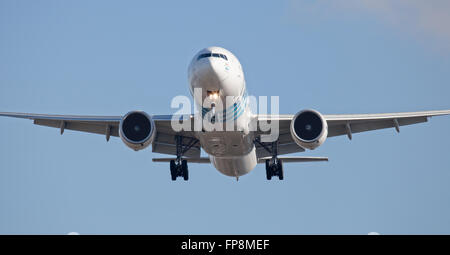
[217,75]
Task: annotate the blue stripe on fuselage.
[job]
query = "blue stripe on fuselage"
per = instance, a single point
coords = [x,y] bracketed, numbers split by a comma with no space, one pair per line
[237,109]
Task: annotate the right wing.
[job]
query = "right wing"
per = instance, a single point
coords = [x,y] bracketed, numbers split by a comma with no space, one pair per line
[89,124]
[109,126]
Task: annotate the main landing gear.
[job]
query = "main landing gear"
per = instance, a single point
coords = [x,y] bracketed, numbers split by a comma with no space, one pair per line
[274,166]
[179,167]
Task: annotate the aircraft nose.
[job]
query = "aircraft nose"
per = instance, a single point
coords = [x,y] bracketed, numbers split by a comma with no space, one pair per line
[211,72]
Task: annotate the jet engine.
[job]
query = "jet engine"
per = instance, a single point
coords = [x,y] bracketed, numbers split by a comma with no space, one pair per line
[137,130]
[309,129]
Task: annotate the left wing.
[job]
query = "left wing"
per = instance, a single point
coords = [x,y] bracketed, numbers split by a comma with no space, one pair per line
[109,126]
[347,124]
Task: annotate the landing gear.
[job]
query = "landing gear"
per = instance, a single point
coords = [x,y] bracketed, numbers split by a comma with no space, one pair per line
[280,170]
[173,170]
[274,167]
[179,170]
[179,166]
[184,169]
[269,172]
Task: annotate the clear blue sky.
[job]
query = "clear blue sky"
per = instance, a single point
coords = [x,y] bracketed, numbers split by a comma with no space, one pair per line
[110,57]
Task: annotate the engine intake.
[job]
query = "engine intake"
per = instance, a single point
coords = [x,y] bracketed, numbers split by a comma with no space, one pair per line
[309,129]
[137,130]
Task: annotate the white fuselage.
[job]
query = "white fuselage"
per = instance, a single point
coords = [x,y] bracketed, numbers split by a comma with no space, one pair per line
[217,85]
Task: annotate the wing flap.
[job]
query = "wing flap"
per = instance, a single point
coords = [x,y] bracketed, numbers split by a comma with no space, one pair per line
[83,126]
[283,148]
[200,160]
[204,160]
[294,159]
[165,143]
[357,126]
[171,149]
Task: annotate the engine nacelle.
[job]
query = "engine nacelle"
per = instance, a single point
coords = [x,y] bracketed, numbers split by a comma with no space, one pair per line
[309,129]
[137,130]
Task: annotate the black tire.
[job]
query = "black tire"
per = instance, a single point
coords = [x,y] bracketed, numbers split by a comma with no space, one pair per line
[173,170]
[280,170]
[184,169]
[268,170]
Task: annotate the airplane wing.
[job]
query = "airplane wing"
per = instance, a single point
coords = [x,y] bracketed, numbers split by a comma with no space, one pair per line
[348,124]
[345,124]
[337,124]
[109,126]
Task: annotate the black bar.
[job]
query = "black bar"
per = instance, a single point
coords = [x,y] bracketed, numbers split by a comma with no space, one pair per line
[223,244]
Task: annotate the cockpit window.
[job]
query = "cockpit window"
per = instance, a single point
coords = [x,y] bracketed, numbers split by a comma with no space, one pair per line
[206,55]
[214,55]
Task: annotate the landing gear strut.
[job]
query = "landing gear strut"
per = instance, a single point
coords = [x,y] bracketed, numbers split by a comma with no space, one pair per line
[274,166]
[179,167]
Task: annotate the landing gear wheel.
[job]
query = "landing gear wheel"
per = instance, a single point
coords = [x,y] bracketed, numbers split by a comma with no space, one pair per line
[173,170]
[280,170]
[268,170]
[184,170]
